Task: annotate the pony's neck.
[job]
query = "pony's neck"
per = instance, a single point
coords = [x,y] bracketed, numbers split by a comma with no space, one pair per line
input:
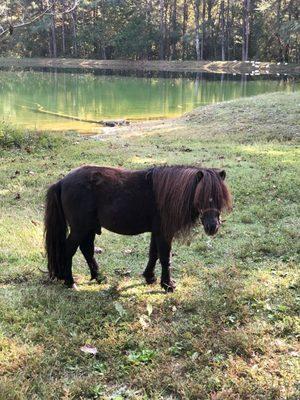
[194,214]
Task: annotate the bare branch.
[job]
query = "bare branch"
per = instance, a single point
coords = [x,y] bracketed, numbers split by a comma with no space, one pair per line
[47,11]
[76,3]
[69,10]
[37,17]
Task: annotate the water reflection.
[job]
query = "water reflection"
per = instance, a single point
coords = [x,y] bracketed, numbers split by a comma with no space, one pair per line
[24,94]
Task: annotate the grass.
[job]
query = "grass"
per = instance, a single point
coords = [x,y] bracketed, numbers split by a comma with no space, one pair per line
[230,331]
[30,141]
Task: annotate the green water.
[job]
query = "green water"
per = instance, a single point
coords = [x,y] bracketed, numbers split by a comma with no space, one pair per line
[98,97]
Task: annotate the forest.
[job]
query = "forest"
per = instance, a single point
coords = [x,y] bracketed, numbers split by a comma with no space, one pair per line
[244,30]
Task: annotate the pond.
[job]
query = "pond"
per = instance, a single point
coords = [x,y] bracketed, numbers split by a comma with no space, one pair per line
[45,100]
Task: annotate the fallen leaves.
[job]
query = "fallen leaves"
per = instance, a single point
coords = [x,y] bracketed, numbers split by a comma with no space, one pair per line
[120,309]
[89,349]
[124,273]
[128,251]
[145,319]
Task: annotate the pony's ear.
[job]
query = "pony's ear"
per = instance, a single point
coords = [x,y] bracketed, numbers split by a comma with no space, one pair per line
[96,178]
[199,176]
[149,175]
[222,174]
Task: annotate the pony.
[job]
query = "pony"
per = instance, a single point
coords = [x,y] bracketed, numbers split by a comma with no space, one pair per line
[164,200]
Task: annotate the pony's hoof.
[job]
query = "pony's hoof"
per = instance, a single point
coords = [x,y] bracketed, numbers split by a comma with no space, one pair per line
[99,279]
[168,286]
[150,280]
[73,286]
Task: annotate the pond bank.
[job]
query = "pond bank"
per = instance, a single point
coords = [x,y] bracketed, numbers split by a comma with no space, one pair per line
[237,67]
[265,116]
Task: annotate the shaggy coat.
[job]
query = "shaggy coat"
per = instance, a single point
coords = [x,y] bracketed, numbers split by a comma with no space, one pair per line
[165,201]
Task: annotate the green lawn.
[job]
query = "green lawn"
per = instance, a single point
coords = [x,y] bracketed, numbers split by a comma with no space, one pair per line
[230,331]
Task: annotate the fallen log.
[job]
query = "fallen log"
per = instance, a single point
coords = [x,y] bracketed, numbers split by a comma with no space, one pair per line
[110,123]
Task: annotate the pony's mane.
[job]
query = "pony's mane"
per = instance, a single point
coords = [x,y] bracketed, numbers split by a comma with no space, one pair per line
[183,192]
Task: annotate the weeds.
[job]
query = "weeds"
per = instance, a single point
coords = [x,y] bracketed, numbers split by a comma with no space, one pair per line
[16,138]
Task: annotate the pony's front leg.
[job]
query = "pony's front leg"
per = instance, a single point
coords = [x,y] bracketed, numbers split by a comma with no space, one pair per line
[164,251]
[87,248]
[153,256]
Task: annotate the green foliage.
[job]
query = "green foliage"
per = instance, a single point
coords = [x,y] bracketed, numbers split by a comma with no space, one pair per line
[149,29]
[11,137]
[290,31]
[134,41]
[141,356]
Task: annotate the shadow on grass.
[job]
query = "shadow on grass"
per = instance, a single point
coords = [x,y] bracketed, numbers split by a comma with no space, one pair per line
[204,340]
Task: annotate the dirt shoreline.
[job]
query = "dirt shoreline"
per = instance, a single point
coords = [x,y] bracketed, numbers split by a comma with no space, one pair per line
[228,67]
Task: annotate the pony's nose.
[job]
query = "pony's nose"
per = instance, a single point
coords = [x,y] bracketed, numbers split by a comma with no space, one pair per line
[212,228]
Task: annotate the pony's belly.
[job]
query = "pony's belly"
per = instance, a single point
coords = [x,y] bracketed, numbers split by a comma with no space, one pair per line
[126,224]
[127,212]
[126,231]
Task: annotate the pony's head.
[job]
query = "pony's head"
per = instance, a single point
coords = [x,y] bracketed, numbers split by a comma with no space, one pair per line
[211,198]
[186,193]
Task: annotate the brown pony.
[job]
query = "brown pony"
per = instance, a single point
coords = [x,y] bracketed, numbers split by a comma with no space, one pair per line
[165,201]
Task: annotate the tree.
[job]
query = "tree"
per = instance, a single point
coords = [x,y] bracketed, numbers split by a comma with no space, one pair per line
[246,29]
[222,17]
[162,29]
[197,29]
[151,29]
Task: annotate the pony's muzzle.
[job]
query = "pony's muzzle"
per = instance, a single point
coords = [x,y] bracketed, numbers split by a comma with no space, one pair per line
[211,228]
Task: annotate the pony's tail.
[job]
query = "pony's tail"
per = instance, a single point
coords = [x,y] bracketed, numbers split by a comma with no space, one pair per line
[55,232]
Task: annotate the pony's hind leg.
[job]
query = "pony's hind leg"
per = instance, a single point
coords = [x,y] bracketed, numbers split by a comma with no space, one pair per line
[72,244]
[153,256]
[87,248]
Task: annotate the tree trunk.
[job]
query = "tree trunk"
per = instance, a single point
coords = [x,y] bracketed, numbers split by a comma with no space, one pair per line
[168,10]
[209,28]
[197,32]
[63,30]
[203,28]
[184,27]
[222,12]
[49,45]
[148,24]
[63,37]
[53,34]
[246,29]
[228,31]
[53,37]
[279,21]
[162,30]
[74,32]
[103,53]
[95,37]
[174,33]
